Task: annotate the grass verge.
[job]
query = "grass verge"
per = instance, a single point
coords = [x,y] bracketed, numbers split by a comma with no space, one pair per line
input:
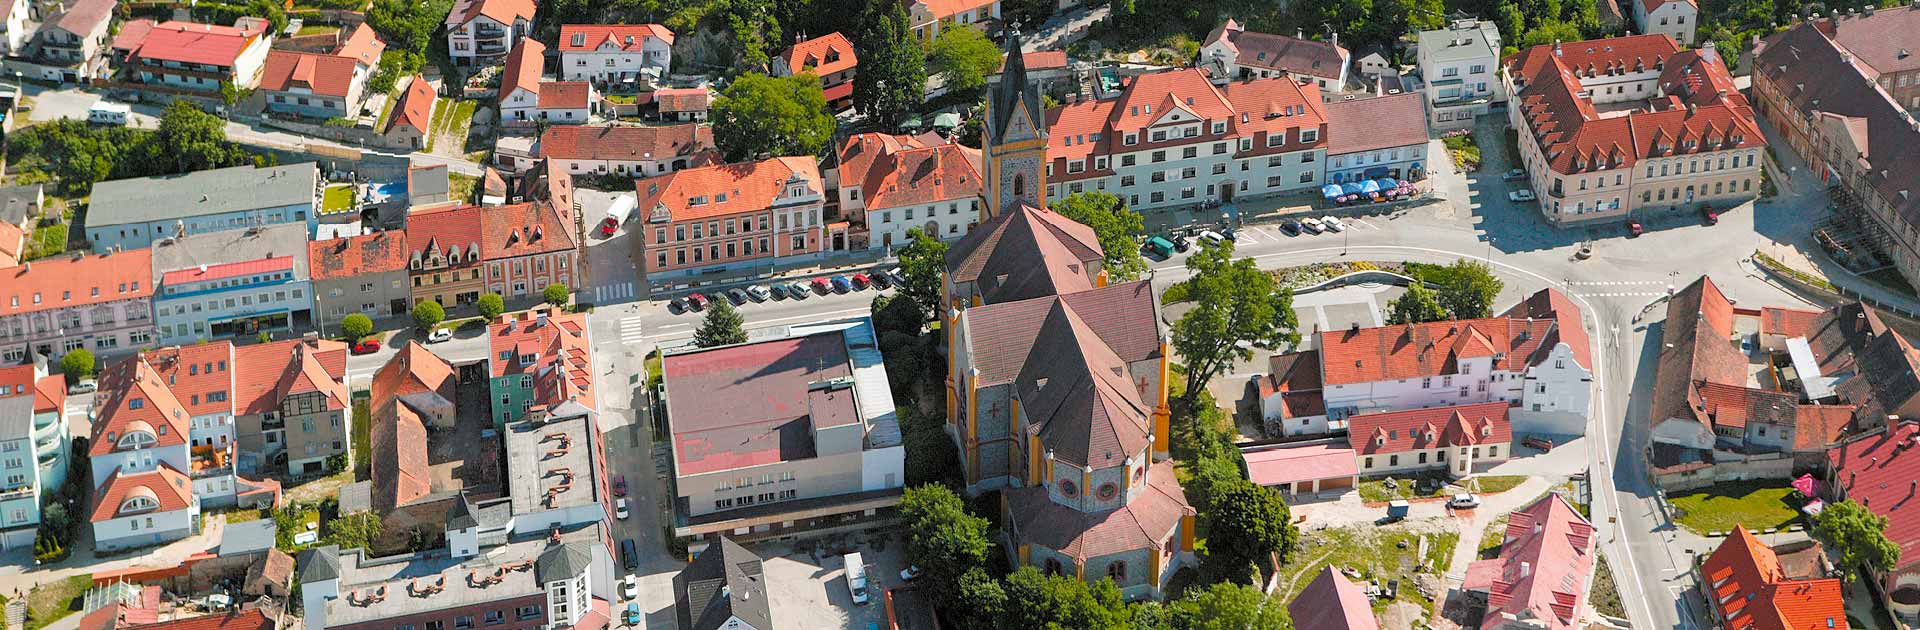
[362,438]
[1717,508]
[53,601]
[1605,595]
[461,186]
[1436,484]
[1377,553]
[1490,540]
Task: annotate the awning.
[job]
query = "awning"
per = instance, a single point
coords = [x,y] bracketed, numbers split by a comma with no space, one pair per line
[1351,188]
[948,120]
[1806,485]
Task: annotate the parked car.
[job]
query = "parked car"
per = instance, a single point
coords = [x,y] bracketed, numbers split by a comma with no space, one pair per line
[1538,442]
[909,573]
[679,305]
[1291,228]
[439,334]
[880,280]
[736,296]
[1634,228]
[632,614]
[366,346]
[1160,247]
[759,293]
[83,387]
[697,301]
[1333,224]
[860,281]
[899,277]
[620,508]
[799,291]
[1211,237]
[779,291]
[1514,175]
[1521,196]
[842,285]
[630,587]
[1182,243]
[1710,215]
[1312,225]
[629,555]
[1463,501]
[823,285]
[619,485]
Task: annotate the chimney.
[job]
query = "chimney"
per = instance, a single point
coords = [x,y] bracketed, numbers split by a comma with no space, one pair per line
[1556,47]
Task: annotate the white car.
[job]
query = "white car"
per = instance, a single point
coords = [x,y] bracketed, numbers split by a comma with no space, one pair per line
[630,587]
[908,574]
[1333,224]
[1211,237]
[83,387]
[620,508]
[438,335]
[1463,501]
[1312,225]
[1521,196]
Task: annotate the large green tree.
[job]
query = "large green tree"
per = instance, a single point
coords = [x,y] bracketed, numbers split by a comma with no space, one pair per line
[723,326]
[760,116]
[491,305]
[77,365]
[1859,534]
[893,67]
[1418,304]
[1246,523]
[1234,302]
[924,262]
[408,24]
[943,539]
[1038,600]
[1118,227]
[428,314]
[1469,289]
[356,326]
[1227,606]
[196,140]
[963,57]
[980,601]
[756,28]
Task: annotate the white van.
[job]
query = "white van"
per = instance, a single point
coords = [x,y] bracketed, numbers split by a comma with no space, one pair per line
[856,577]
[105,113]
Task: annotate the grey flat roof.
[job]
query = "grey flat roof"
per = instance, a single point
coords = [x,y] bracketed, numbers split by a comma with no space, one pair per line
[16,417]
[249,537]
[462,582]
[228,246]
[17,201]
[1439,42]
[535,459]
[200,193]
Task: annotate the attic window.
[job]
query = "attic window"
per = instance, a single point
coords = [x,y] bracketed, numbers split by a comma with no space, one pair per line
[579,39]
[697,201]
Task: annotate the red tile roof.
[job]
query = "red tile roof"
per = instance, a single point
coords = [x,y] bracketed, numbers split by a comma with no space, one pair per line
[1429,349]
[1366,124]
[1878,472]
[340,258]
[1330,602]
[200,376]
[164,485]
[134,398]
[1543,566]
[266,374]
[325,75]
[1023,253]
[944,9]
[897,171]
[1752,591]
[1040,59]
[1277,466]
[412,370]
[812,55]
[1879,370]
[1735,406]
[85,15]
[363,46]
[400,468]
[628,37]
[564,94]
[270,264]
[1695,348]
[505,12]
[524,67]
[1251,109]
[1278,52]
[132,33]
[251,619]
[1817,427]
[582,142]
[1429,428]
[1652,5]
[1001,336]
[1143,523]
[13,241]
[415,108]
[76,280]
[694,99]
[563,370]
[456,229]
[188,42]
[523,229]
[748,187]
[1788,322]
[747,405]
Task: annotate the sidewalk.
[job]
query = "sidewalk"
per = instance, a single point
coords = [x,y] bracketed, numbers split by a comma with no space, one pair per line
[20,573]
[847,263]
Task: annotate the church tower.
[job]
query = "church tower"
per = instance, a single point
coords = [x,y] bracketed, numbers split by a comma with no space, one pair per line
[1015,137]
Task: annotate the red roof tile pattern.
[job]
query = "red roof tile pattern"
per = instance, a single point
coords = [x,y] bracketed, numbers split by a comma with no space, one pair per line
[1735,406]
[694,99]
[401,473]
[1569,324]
[627,37]
[1077,396]
[363,46]
[506,12]
[1383,122]
[1817,427]
[1025,252]
[415,109]
[747,405]
[450,230]
[824,55]
[85,16]
[165,486]
[1251,109]
[251,619]
[1292,372]
[895,171]
[1752,591]
[582,142]
[747,187]
[1428,349]
[413,369]
[1325,60]
[1542,570]
[1279,466]
[134,398]
[945,9]
[1001,336]
[266,374]
[1330,602]
[1695,349]
[76,280]
[271,264]
[1878,471]
[1700,112]
[1429,428]
[200,376]
[132,33]
[1787,322]
[563,369]
[523,229]
[564,94]
[13,242]
[1146,521]
[188,42]
[340,258]
[524,67]
[1041,59]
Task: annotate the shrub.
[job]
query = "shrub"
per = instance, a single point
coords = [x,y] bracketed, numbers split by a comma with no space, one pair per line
[491,306]
[428,314]
[77,365]
[356,326]
[556,294]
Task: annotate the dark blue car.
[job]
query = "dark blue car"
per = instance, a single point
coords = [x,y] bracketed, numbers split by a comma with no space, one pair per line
[841,284]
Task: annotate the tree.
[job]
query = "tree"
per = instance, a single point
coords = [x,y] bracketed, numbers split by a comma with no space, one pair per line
[979,601]
[408,24]
[942,538]
[556,294]
[1246,523]
[723,326]
[77,365]
[1860,535]
[1418,304]
[923,261]
[428,314]
[1234,301]
[196,140]
[1227,606]
[964,57]
[893,69]
[762,116]
[350,531]
[1469,289]
[1037,600]
[755,28]
[356,326]
[491,306]
[1117,226]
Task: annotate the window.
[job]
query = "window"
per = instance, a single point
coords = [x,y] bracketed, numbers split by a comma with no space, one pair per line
[1118,571]
[1127,160]
[1274,140]
[1393,460]
[496,617]
[527,612]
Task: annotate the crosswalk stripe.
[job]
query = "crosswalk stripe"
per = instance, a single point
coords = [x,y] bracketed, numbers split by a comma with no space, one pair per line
[631,330]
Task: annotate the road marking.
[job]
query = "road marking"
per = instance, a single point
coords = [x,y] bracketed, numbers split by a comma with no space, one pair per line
[631,332]
[1616,282]
[610,292]
[1624,294]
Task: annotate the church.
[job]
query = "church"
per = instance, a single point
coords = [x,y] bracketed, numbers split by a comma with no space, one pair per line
[1057,377]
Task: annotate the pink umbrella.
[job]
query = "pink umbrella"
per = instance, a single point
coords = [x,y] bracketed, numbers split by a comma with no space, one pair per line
[1806,485]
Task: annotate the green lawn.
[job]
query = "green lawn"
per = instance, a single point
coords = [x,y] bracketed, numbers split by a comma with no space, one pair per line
[1757,505]
[316,29]
[1605,596]
[1376,490]
[461,186]
[1490,540]
[1378,553]
[436,121]
[53,601]
[362,438]
[48,240]
[337,199]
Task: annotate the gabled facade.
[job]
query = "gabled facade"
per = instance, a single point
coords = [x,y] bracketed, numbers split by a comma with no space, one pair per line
[444,259]
[1678,19]
[1540,579]
[831,58]
[541,359]
[731,219]
[890,184]
[628,150]
[76,39]
[53,306]
[138,509]
[1746,585]
[1240,55]
[482,32]
[610,54]
[527,246]
[927,17]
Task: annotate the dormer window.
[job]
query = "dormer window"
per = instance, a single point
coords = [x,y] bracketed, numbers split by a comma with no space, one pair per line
[137,504]
[527,359]
[137,440]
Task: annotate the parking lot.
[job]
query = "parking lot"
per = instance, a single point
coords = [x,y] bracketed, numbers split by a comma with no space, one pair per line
[809,589]
[853,288]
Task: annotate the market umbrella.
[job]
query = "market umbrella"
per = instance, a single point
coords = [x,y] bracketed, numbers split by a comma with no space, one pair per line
[1351,188]
[1370,187]
[1388,182]
[1805,485]
[1330,190]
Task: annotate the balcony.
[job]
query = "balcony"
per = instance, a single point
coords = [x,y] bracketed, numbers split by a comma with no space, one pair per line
[21,492]
[49,457]
[211,461]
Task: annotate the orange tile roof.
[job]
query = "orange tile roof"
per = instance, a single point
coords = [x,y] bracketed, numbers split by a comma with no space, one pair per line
[166,486]
[199,376]
[629,37]
[13,241]
[584,142]
[811,55]
[1753,592]
[564,94]
[693,99]
[1817,427]
[943,9]
[413,369]
[363,46]
[1543,568]
[1789,322]
[747,187]
[523,229]
[76,280]
[1429,428]
[503,11]
[1429,349]
[134,398]
[1040,59]
[401,471]
[189,42]
[524,67]
[415,108]
[560,342]
[223,271]
[251,619]
[268,373]
[1251,109]
[325,75]
[895,171]
[341,258]
[449,230]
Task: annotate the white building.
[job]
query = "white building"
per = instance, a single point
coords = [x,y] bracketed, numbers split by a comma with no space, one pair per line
[1674,18]
[138,509]
[482,32]
[892,184]
[16,24]
[612,53]
[1238,54]
[1457,440]
[927,17]
[1459,65]
[626,150]
[1371,138]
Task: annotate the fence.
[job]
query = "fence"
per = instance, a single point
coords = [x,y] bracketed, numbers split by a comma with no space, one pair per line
[354,135]
[1772,467]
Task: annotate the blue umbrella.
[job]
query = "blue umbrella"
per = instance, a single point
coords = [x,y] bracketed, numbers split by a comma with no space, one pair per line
[1330,190]
[1351,188]
[1370,187]
[1388,182]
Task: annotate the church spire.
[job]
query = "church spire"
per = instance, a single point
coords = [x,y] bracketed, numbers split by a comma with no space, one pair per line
[1015,141]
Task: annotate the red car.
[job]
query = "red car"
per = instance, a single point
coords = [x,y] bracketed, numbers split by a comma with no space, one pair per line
[366,346]
[608,227]
[822,285]
[1709,214]
[697,301]
[1635,229]
[861,280]
[619,485]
